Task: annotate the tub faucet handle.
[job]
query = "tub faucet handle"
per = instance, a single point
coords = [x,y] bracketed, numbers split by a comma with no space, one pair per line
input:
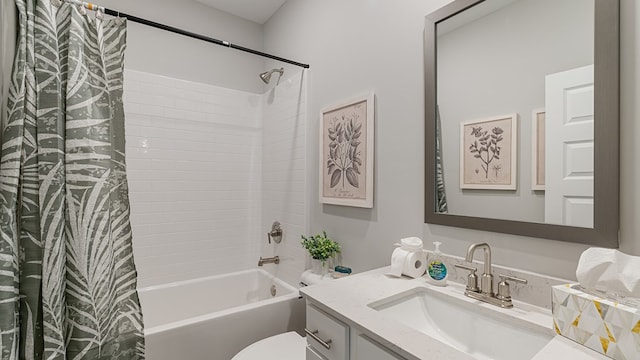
[275,233]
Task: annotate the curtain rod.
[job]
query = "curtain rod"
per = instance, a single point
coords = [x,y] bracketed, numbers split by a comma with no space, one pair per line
[172,29]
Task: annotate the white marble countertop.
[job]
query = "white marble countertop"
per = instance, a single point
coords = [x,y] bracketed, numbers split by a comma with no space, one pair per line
[348,298]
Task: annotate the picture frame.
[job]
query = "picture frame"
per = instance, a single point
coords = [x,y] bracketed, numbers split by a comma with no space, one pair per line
[488,153]
[538,118]
[346,152]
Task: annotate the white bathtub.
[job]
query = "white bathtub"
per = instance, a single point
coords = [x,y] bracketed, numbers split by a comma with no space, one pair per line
[213,318]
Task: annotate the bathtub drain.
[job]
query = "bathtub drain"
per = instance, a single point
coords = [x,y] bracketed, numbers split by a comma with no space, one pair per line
[273,290]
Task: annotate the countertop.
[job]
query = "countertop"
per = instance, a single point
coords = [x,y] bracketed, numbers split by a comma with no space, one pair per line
[348,298]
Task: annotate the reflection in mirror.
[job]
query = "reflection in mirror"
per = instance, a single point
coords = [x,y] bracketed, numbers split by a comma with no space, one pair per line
[502,64]
[522,118]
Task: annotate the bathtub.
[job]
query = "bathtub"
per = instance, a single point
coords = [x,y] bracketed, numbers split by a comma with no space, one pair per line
[213,318]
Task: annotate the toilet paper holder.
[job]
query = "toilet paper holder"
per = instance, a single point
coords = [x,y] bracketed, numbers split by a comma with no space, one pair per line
[275,233]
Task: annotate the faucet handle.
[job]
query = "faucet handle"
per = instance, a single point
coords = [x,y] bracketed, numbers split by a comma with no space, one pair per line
[472,279]
[275,233]
[504,292]
[465,267]
[504,278]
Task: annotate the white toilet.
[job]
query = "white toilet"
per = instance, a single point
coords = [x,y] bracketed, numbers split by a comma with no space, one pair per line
[287,346]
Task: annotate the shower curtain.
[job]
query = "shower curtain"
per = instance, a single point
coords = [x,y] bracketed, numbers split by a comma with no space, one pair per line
[441,191]
[67,275]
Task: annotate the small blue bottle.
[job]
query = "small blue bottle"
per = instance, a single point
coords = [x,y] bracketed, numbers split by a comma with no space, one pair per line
[436,268]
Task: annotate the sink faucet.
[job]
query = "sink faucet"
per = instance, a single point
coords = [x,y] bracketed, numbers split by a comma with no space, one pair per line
[485,291]
[486,282]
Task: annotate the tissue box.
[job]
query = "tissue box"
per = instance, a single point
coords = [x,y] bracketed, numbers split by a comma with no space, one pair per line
[606,326]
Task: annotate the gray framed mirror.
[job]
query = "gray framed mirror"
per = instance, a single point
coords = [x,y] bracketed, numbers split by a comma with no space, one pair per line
[522,118]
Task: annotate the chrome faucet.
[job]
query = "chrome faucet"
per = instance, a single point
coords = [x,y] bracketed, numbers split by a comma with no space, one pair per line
[485,291]
[269,260]
[486,282]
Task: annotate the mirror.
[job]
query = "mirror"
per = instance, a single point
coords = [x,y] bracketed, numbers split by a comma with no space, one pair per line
[522,118]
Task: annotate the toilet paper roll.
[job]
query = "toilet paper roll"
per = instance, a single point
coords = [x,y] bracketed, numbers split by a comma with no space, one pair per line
[409,263]
[398,258]
[411,243]
[415,264]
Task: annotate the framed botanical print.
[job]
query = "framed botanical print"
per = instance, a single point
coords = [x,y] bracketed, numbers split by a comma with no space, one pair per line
[488,156]
[346,152]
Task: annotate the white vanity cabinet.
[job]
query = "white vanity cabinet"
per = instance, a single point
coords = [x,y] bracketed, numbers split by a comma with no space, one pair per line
[329,338]
[326,335]
[366,349]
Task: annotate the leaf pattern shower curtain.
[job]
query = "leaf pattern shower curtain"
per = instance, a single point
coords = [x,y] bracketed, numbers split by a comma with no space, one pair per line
[441,191]
[67,276]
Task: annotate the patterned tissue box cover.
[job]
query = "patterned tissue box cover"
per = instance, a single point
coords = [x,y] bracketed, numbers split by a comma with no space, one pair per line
[606,326]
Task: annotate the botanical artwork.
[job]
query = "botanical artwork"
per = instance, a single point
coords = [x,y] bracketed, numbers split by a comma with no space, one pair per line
[345,157]
[488,154]
[347,154]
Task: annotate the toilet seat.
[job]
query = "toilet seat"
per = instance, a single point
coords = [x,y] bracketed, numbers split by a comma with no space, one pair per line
[287,346]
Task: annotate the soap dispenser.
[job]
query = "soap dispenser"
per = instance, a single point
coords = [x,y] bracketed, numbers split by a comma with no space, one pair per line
[436,268]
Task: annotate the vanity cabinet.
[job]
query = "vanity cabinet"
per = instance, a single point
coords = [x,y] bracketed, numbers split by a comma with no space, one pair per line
[367,349]
[326,335]
[329,338]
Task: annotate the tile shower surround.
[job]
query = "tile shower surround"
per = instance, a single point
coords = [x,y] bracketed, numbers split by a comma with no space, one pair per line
[284,175]
[195,168]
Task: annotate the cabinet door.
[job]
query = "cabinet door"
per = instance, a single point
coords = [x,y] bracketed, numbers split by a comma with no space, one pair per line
[367,349]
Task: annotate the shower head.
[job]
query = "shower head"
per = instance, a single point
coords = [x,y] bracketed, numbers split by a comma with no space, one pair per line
[266,76]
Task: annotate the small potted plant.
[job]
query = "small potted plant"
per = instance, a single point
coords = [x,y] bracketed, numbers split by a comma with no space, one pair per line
[321,248]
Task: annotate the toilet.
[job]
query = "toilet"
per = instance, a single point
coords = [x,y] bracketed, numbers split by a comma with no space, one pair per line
[287,346]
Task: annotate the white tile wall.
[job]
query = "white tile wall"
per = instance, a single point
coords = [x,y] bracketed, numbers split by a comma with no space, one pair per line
[193,163]
[209,169]
[284,173]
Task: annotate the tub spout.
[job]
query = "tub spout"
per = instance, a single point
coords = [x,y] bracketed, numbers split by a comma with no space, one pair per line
[269,260]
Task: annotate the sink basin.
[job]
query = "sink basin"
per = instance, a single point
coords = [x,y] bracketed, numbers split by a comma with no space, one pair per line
[464,324]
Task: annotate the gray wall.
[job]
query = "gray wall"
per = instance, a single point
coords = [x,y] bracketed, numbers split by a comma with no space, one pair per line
[164,53]
[494,66]
[359,45]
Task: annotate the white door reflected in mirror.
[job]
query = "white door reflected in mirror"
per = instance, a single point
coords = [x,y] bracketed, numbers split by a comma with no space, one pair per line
[569,146]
